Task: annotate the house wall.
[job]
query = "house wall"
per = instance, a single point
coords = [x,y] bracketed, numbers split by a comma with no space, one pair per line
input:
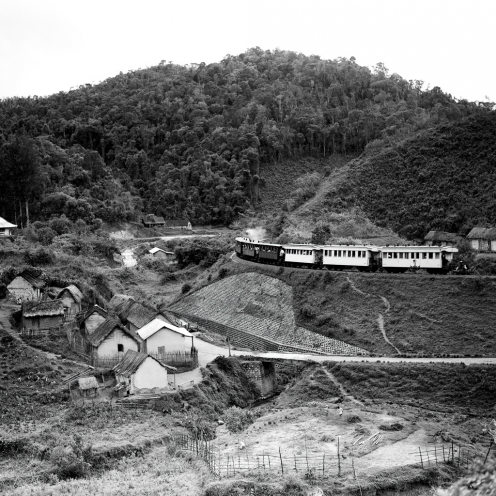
[474,244]
[150,375]
[93,321]
[4,231]
[172,341]
[42,323]
[108,347]
[72,307]
[493,245]
[22,290]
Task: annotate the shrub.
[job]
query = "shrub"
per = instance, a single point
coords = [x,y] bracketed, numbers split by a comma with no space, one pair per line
[396,426]
[353,419]
[186,288]
[41,256]
[237,419]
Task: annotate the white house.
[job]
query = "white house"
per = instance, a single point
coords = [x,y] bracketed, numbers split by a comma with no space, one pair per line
[161,337]
[162,254]
[140,373]
[5,227]
[95,316]
[111,340]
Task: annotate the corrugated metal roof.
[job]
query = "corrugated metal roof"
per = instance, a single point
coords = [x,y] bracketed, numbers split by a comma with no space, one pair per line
[105,328]
[4,223]
[88,383]
[156,324]
[74,291]
[45,308]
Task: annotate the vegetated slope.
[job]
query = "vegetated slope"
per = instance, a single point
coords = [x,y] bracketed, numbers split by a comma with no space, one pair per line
[445,386]
[192,141]
[422,314]
[259,305]
[443,178]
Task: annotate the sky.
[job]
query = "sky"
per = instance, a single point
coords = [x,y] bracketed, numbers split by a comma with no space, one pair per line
[47,46]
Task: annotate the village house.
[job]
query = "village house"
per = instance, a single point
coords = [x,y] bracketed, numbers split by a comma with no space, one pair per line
[110,340]
[95,316]
[482,238]
[140,373]
[179,224]
[5,227]
[441,238]
[153,221]
[72,300]
[26,287]
[40,317]
[162,254]
[88,386]
[161,337]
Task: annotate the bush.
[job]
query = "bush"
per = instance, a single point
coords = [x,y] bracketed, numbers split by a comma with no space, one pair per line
[237,419]
[41,256]
[353,419]
[396,426]
[186,288]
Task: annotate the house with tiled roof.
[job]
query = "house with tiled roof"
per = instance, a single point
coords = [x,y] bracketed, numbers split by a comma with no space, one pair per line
[41,317]
[140,373]
[26,287]
[5,227]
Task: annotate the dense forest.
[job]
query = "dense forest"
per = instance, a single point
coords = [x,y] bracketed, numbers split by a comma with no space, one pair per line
[191,142]
[442,178]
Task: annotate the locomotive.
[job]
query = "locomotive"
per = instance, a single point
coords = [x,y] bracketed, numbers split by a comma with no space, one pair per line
[365,258]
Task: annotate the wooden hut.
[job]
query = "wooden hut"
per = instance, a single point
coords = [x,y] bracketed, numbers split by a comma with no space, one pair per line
[482,239]
[26,287]
[72,300]
[153,221]
[41,317]
[88,386]
[139,373]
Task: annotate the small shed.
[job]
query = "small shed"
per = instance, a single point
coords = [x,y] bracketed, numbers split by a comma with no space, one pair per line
[72,300]
[162,337]
[441,238]
[153,221]
[142,373]
[482,238]
[88,386]
[110,340]
[26,287]
[162,254]
[95,316]
[40,317]
[5,227]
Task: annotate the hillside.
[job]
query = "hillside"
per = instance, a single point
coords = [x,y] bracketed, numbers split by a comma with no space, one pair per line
[442,178]
[384,314]
[194,141]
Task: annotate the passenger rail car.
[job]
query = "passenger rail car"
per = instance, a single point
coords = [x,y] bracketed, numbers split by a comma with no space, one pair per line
[434,259]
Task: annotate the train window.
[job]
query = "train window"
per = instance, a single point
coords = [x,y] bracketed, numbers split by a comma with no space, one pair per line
[353,253]
[424,255]
[395,255]
[437,255]
[400,255]
[339,253]
[431,255]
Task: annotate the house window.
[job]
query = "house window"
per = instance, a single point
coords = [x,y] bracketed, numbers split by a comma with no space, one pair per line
[120,347]
[161,350]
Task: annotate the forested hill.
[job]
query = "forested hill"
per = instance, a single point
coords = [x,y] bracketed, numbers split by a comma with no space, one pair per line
[192,141]
[443,179]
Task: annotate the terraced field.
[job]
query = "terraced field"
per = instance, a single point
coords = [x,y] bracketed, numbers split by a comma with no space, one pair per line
[262,306]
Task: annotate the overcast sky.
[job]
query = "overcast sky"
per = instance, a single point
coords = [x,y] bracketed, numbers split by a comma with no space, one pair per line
[47,46]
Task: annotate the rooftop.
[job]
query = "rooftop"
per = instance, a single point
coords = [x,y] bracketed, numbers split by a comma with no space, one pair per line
[131,362]
[156,324]
[45,308]
[74,291]
[106,328]
[4,223]
[87,383]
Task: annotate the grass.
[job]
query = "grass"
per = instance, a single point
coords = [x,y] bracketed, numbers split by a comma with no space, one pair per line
[432,315]
[448,387]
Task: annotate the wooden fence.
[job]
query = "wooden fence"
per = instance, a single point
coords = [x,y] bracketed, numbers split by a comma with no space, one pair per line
[450,453]
[321,465]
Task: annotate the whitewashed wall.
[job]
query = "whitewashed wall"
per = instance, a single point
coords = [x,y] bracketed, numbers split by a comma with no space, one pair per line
[172,341]
[150,375]
[109,345]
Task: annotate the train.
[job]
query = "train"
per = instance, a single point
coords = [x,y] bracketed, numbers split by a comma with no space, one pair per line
[364,258]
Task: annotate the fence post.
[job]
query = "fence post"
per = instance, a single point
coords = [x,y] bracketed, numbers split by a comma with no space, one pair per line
[323,465]
[421,461]
[280,458]
[489,449]
[339,461]
[435,451]
[453,452]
